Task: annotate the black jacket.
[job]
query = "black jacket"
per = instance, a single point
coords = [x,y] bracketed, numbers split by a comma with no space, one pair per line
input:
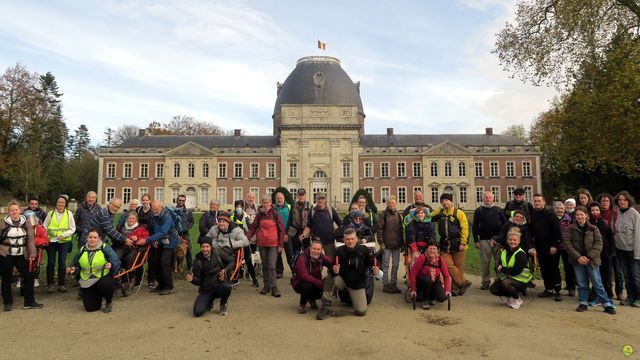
[207,221]
[521,262]
[487,222]
[353,265]
[545,229]
[519,205]
[205,271]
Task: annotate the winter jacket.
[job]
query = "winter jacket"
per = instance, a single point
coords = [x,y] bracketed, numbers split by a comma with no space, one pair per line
[487,222]
[309,269]
[451,244]
[103,222]
[545,229]
[187,220]
[144,217]
[423,268]
[525,235]
[390,229]
[285,213]
[83,216]
[208,220]
[419,233]
[268,228]
[627,235]
[608,244]
[513,205]
[140,232]
[520,263]
[353,265]
[5,227]
[39,213]
[564,221]
[206,269]
[610,216]
[109,255]
[583,241]
[299,217]
[362,231]
[233,238]
[321,223]
[163,231]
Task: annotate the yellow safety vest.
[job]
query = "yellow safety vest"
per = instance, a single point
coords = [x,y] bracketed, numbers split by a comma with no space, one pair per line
[92,263]
[525,276]
[56,229]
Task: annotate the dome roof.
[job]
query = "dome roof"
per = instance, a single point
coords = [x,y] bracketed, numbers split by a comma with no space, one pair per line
[318,80]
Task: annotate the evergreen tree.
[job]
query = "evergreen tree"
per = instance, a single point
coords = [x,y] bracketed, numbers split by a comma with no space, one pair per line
[370,202]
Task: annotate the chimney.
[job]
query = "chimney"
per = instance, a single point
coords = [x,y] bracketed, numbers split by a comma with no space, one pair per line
[142,132]
[488,131]
[389,131]
[236,132]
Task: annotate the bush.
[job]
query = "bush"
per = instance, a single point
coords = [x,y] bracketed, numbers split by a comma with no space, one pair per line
[370,202]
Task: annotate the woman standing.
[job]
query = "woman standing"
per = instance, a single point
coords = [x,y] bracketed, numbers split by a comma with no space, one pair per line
[584,244]
[610,215]
[60,226]
[608,247]
[17,249]
[513,271]
[627,239]
[565,220]
[97,263]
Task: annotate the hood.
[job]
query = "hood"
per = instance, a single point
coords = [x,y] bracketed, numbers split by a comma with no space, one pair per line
[513,221]
[8,220]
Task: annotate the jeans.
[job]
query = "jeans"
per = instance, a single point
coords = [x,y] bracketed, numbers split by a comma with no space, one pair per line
[6,267]
[584,274]
[204,301]
[631,269]
[619,278]
[60,249]
[394,256]
[488,252]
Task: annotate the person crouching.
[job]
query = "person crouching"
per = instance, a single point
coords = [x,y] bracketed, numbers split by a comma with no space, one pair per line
[307,277]
[513,271]
[429,278]
[211,271]
[349,271]
[97,264]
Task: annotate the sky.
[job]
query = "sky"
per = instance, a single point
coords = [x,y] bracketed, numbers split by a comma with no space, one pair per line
[424,66]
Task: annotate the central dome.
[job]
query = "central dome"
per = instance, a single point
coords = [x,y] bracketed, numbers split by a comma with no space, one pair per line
[318,80]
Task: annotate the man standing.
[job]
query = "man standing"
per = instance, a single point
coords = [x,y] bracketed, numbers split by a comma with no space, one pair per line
[390,240]
[103,222]
[321,222]
[209,219]
[187,224]
[164,239]
[299,217]
[285,211]
[488,219]
[418,202]
[453,228]
[545,233]
[250,207]
[349,271]
[518,203]
[34,205]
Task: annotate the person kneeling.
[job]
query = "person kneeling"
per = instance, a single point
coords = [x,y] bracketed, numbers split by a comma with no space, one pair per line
[97,264]
[513,271]
[211,271]
[307,277]
[350,272]
[429,278]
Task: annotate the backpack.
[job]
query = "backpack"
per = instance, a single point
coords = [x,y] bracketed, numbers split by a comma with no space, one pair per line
[450,230]
[294,261]
[176,216]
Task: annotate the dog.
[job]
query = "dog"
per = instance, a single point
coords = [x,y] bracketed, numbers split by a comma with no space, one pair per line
[179,254]
[257,265]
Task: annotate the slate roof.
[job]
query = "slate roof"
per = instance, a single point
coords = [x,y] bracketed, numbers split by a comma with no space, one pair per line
[173,141]
[422,140]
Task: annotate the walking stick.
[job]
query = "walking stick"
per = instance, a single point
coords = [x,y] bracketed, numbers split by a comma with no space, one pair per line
[448,302]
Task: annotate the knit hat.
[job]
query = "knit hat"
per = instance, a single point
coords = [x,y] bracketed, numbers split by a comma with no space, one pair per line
[358,213]
[224,217]
[570,200]
[518,191]
[207,240]
[446,196]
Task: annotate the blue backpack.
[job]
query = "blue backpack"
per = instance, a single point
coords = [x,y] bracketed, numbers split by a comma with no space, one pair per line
[176,216]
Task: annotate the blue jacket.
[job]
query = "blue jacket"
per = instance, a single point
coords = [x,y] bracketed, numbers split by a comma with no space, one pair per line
[163,230]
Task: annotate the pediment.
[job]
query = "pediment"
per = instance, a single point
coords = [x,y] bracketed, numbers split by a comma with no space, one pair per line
[190,149]
[447,148]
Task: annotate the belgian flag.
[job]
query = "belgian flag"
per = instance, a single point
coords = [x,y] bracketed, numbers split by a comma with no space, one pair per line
[321,45]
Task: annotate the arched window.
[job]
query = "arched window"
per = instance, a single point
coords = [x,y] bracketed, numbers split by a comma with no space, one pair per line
[191,170]
[319,174]
[434,168]
[176,170]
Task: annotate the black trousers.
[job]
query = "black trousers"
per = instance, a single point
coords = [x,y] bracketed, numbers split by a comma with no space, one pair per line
[569,275]
[426,289]
[93,295]
[204,301]
[507,287]
[550,269]
[188,257]
[161,263]
[606,274]
[127,256]
[248,250]
[308,292]
[7,264]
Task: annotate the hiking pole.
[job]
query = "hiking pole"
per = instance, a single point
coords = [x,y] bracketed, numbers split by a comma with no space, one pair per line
[448,302]
[413,301]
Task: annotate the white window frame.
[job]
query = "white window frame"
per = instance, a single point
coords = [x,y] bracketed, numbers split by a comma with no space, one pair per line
[204,195]
[126,199]
[417,169]
[511,170]
[384,190]
[346,169]
[434,168]
[158,194]
[368,169]
[111,170]
[222,170]
[237,170]
[462,169]
[479,169]
[205,170]
[417,188]
[144,170]
[384,169]
[402,194]
[369,189]
[479,194]
[448,169]
[254,170]
[293,170]
[238,194]
[222,195]
[142,190]
[346,194]
[159,170]
[271,170]
[127,168]
[256,191]
[109,193]
[191,170]
[463,194]
[510,190]
[528,192]
[175,192]
[496,193]
[494,169]
[435,194]
[526,169]
[177,169]
[401,169]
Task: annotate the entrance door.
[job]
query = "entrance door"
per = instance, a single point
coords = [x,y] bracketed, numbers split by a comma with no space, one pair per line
[191,198]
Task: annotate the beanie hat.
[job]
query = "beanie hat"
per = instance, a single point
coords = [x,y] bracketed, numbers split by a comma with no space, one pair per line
[446,196]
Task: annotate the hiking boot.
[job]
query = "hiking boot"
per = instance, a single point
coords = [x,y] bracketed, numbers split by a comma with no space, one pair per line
[166,292]
[324,313]
[302,309]
[463,288]
[454,292]
[254,283]
[545,294]
[636,304]
[313,305]
[484,287]
[8,307]
[572,292]
[626,302]
[107,308]
[62,289]
[265,290]
[33,305]
[557,296]
[223,309]
[275,292]
[156,289]
[51,289]
[610,310]
[426,305]
[387,289]
[581,308]
[395,289]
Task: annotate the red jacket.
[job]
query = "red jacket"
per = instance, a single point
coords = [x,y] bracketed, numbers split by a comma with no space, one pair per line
[268,228]
[419,268]
[310,270]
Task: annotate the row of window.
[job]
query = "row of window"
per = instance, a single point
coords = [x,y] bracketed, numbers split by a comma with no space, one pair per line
[254,170]
[238,194]
[494,169]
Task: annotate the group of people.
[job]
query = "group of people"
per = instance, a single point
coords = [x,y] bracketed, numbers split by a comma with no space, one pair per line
[595,239]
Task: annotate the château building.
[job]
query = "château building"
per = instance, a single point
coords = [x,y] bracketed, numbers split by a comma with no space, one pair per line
[319,144]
